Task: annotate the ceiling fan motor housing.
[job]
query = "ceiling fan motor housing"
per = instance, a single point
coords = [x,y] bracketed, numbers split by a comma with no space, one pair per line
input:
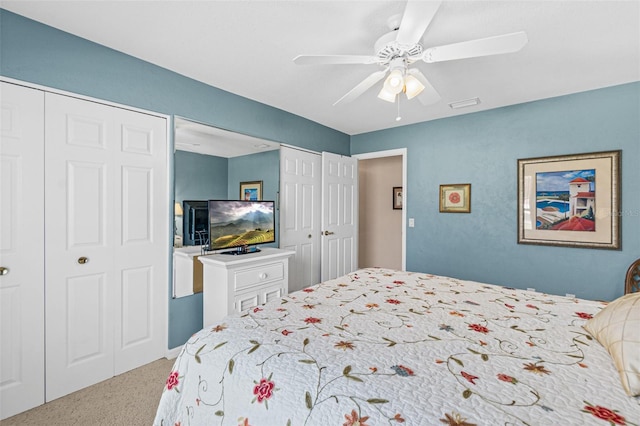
[387,49]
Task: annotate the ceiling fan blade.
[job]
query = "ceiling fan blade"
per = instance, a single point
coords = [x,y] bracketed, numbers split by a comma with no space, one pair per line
[362,87]
[506,43]
[417,17]
[429,94]
[334,59]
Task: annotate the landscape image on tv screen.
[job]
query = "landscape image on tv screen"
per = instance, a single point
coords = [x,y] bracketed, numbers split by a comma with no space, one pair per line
[240,223]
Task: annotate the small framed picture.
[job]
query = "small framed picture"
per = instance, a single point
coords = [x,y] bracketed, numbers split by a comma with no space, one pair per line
[455,198]
[251,191]
[397,198]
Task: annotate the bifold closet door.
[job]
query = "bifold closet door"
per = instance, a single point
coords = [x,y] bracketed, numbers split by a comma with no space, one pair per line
[21,249]
[106,241]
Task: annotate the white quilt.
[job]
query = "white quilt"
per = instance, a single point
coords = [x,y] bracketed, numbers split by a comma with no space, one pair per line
[381,347]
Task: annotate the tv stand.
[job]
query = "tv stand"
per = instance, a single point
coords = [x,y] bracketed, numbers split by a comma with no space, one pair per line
[235,284]
[242,250]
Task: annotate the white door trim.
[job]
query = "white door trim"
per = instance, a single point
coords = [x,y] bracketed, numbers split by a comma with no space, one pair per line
[405,195]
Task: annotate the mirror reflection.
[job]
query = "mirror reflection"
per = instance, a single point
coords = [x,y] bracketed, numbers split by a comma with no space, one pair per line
[213,164]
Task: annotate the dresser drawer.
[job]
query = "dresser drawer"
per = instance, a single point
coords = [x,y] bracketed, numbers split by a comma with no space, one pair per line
[261,274]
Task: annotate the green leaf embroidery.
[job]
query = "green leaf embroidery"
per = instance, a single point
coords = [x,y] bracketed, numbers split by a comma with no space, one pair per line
[346,370]
[355,379]
[219,345]
[231,364]
[219,413]
[458,361]
[466,394]
[253,348]
[377,401]
[307,400]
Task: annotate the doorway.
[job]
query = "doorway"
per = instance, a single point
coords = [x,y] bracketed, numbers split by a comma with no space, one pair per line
[381,236]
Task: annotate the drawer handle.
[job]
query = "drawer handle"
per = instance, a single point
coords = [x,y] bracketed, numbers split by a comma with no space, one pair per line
[263,276]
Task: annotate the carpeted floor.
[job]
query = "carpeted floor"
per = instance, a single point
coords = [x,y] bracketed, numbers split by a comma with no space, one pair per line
[128,399]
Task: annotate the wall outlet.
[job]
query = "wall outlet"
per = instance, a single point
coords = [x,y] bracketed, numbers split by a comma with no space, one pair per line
[573,296]
[412,222]
[531,289]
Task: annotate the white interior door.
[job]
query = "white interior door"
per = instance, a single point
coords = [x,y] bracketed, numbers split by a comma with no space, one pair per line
[300,198]
[106,241]
[339,215]
[21,249]
[141,239]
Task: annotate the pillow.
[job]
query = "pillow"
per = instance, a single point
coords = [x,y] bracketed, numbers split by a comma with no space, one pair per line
[617,328]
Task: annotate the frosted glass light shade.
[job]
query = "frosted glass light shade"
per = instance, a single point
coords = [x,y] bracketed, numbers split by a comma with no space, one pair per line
[386,95]
[412,86]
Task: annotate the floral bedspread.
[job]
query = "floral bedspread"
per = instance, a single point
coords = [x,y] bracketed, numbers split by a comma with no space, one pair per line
[382,347]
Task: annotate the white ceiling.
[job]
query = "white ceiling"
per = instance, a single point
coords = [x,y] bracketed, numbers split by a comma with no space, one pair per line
[202,139]
[247,47]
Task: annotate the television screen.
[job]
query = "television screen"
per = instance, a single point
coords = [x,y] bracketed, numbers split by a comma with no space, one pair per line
[234,223]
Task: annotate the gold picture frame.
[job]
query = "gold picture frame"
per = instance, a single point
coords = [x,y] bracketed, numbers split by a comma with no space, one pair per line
[455,198]
[251,191]
[570,200]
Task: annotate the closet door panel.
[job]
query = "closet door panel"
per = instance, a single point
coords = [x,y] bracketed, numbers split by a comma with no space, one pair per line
[21,249]
[142,246]
[107,191]
[80,193]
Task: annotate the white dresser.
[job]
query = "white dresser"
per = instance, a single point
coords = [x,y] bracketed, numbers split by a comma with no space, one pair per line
[235,283]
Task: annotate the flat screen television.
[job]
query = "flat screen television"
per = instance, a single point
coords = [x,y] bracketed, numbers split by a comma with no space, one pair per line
[237,224]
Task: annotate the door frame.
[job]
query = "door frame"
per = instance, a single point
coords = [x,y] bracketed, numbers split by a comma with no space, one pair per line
[394,153]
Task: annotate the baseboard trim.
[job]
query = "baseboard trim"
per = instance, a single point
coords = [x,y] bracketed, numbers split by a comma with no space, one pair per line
[173,353]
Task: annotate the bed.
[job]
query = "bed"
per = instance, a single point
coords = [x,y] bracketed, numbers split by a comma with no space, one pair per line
[383,347]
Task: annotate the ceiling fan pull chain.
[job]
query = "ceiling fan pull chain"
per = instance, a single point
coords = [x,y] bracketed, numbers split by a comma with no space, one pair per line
[398,118]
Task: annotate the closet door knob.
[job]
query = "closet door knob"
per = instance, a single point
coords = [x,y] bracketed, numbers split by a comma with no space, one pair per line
[3,270]
[328,233]
[82,260]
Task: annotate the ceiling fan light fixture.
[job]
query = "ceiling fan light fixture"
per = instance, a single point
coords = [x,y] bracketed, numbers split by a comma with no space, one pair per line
[412,87]
[387,95]
[395,81]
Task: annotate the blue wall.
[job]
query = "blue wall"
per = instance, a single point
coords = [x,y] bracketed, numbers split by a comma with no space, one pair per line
[264,166]
[200,177]
[40,54]
[36,53]
[482,149]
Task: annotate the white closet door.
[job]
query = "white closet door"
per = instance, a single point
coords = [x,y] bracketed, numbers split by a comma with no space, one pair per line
[21,249]
[142,240]
[300,190]
[106,242]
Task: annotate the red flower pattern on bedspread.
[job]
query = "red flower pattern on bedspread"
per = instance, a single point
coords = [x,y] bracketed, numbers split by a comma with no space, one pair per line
[605,414]
[263,390]
[172,380]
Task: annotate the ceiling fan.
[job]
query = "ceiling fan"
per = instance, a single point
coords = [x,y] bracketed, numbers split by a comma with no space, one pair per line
[397,50]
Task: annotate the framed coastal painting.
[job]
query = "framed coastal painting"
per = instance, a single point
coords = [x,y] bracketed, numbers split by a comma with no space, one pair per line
[251,191]
[570,200]
[455,198]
